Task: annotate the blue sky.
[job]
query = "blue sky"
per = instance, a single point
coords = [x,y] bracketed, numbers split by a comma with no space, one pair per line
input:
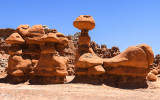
[121,23]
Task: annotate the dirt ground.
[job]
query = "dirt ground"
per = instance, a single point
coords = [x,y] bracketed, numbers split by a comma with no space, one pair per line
[72,91]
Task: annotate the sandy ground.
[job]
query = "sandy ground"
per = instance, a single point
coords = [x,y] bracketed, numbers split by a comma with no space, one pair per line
[71,91]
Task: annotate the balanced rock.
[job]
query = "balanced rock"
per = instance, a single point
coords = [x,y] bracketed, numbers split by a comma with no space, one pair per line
[87,64]
[84,22]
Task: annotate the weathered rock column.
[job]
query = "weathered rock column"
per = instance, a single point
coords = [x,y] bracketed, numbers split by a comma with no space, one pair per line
[51,67]
[18,65]
[88,65]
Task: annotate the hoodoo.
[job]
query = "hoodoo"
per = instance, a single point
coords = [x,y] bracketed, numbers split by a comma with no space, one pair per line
[125,70]
[37,55]
[88,65]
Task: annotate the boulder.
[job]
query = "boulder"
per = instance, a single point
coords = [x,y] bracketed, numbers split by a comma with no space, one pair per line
[84,22]
[151,77]
[154,71]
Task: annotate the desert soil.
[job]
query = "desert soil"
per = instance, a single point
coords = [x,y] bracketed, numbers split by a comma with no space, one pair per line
[72,91]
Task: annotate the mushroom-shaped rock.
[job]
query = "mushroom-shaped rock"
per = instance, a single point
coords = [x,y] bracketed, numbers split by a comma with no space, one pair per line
[23,30]
[88,60]
[15,38]
[151,77]
[84,22]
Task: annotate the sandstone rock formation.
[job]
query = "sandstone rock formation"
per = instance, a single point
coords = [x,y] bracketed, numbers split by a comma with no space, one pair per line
[18,65]
[102,52]
[88,65]
[52,65]
[130,68]
[37,55]
[126,70]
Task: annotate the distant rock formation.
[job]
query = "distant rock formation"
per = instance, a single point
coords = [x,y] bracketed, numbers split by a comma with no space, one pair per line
[154,69]
[4,33]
